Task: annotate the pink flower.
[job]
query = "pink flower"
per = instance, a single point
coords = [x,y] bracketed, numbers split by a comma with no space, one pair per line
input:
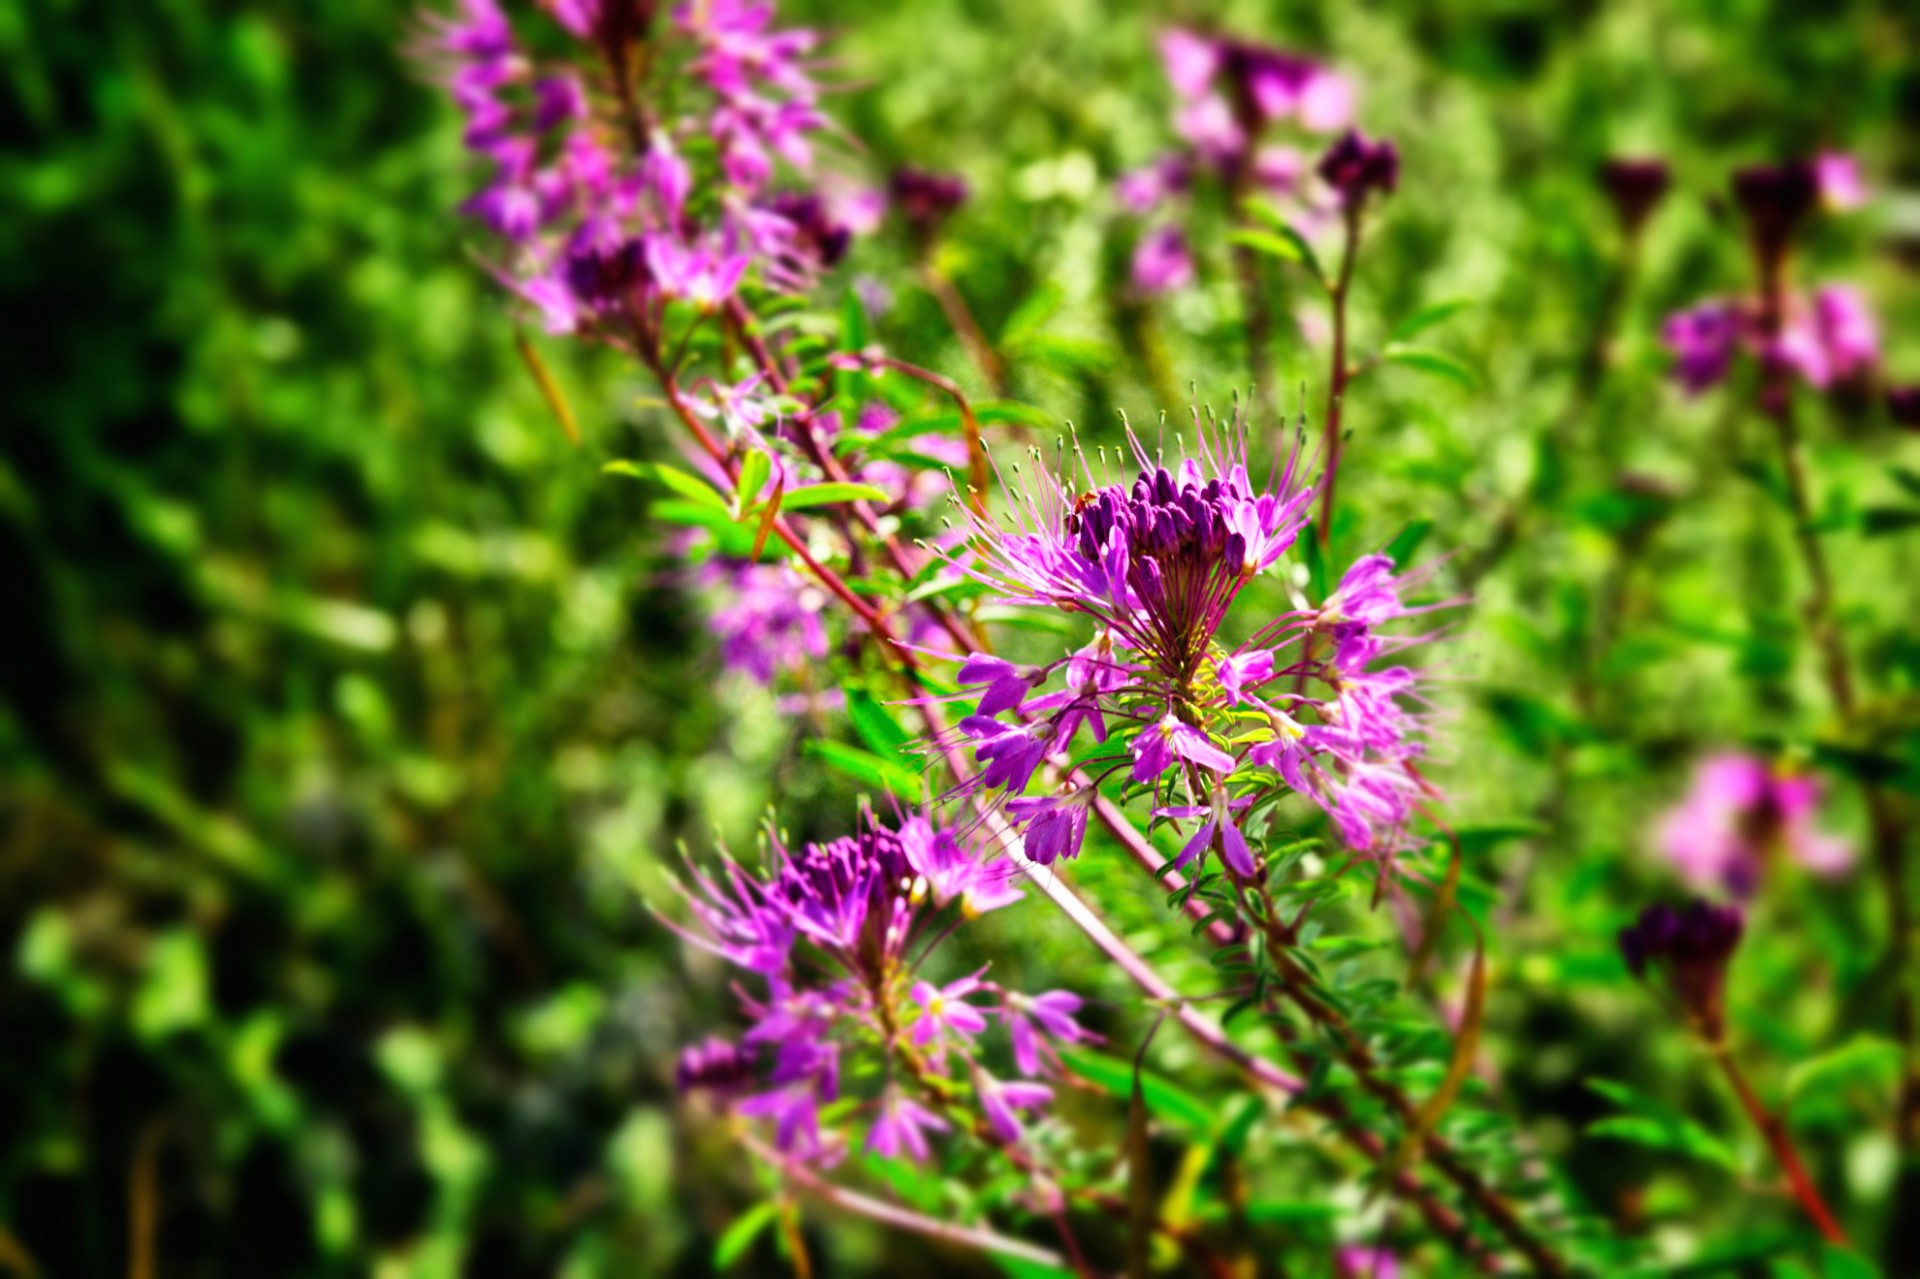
[1191,61]
[1156,748]
[902,1127]
[947,1010]
[1051,1014]
[1162,262]
[1000,1100]
[1365,1263]
[1740,810]
[1841,187]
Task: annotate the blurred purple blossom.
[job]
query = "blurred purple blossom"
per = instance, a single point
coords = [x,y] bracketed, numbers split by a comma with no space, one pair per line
[1741,811]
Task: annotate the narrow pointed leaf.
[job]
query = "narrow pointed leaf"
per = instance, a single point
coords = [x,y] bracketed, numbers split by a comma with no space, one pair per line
[549,388]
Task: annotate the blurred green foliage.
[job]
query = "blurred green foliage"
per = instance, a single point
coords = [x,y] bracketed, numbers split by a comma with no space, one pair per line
[350,714]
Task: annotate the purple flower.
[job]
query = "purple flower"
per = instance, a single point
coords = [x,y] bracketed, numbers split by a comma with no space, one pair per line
[1055,824]
[1011,752]
[1691,947]
[902,1128]
[1156,748]
[1143,190]
[952,872]
[768,620]
[926,199]
[829,929]
[1050,1015]
[1007,685]
[1703,341]
[1741,811]
[1356,168]
[717,1065]
[1162,262]
[1000,1102]
[946,1010]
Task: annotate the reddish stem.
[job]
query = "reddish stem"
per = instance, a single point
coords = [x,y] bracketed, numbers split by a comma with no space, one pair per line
[1774,1129]
[1337,375]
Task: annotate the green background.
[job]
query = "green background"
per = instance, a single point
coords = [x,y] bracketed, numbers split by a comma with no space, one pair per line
[350,714]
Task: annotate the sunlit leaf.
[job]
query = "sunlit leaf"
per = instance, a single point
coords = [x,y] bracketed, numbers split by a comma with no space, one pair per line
[833,492]
[1424,359]
[677,481]
[1655,1125]
[1428,316]
[738,1237]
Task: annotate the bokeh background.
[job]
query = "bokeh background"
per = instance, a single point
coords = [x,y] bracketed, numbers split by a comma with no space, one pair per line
[350,715]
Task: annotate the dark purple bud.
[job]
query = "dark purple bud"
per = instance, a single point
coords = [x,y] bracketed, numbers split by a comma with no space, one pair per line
[1776,199]
[1903,402]
[718,1066]
[926,198]
[1691,948]
[604,278]
[1355,168]
[818,235]
[1636,187]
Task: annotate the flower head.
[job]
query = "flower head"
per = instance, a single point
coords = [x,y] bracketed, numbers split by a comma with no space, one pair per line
[1776,199]
[829,929]
[1741,811]
[1162,262]
[1356,168]
[1158,563]
[1690,948]
[1636,187]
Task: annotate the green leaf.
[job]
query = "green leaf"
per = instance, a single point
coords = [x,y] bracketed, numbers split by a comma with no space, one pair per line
[1881,521]
[1906,479]
[1286,248]
[1842,1263]
[830,493]
[1428,316]
[671,478]
[738,1237]
[1298,250]
[1407,541]
[1657,1126]
[867,768]
[876,725]
[755,469]
[1167,1101]
[1864,1060]
[1427,360]
[1034,311]
[1489,835]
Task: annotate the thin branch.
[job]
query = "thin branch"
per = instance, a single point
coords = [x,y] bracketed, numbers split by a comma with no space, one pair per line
[975,1237]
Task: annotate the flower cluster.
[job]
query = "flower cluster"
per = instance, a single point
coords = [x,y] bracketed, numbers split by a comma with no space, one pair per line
[767,618]
[1690,947]
[1230,93]
[1217,734]
[1741,812]
[838,933]
[1827,339]
[603,217]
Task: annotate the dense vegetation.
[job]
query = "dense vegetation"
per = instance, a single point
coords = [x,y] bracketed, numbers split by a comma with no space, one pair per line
[353,714]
